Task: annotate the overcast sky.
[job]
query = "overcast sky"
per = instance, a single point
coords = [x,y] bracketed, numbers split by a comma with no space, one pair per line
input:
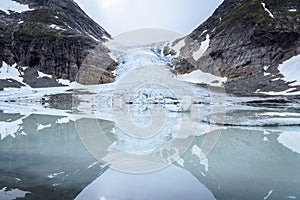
[118,16]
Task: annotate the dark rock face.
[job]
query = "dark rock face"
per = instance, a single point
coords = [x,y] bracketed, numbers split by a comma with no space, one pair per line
[54,37]
[245,38]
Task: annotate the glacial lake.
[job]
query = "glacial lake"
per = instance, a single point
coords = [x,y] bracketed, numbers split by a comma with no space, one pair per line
[55,156]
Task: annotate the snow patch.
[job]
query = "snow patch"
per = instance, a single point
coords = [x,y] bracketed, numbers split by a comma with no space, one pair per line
[10,72]
[291,140]
[63,120]
[292,10]
[290,70]
[54,26]
[178,46]
[41,75]
[200,77]
[203,47]
[10,128]
[93,37]
[285,92]
[267,10]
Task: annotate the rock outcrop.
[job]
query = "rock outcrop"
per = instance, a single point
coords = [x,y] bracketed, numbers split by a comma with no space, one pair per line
[248,40]
[54,37]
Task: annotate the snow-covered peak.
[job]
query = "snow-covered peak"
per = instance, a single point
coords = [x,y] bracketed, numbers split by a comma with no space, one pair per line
[10,5]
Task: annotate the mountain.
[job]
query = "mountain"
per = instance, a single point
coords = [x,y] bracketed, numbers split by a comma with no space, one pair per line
[53,37]
[249,42]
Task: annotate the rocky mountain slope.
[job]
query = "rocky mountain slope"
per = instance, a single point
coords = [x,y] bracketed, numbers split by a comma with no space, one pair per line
[245,41]
[53,37]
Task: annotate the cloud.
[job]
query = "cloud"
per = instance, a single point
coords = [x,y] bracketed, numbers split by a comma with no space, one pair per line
[119,16]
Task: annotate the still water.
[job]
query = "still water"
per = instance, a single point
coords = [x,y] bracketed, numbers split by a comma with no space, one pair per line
[47,157]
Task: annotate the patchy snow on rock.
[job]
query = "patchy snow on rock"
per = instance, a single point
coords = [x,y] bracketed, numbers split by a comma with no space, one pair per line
[267,10]
[12,194]
[291,140]
[203,47]
[41,75]
[10,72]
[290,70]
[292,10]
[178,46]
[285,92]
[203,160]
[54,26]
[13,6]
[201,77]
[93,37]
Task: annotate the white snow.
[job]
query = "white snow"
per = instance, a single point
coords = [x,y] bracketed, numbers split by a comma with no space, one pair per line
[41,127]
[203,47]
[64,82]
[54,26]
[10,72]
[267,10]
[63,120]
[12,194]
[41,75]
[293,10]
[10,128]
[268,195]
[13,6]
[291,140]
[201,77]
[265,139]
[290,70]
[93,37]
[178,46]
[203,160]
[285,92]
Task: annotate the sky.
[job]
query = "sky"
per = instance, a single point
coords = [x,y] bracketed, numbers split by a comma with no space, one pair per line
[119,16]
